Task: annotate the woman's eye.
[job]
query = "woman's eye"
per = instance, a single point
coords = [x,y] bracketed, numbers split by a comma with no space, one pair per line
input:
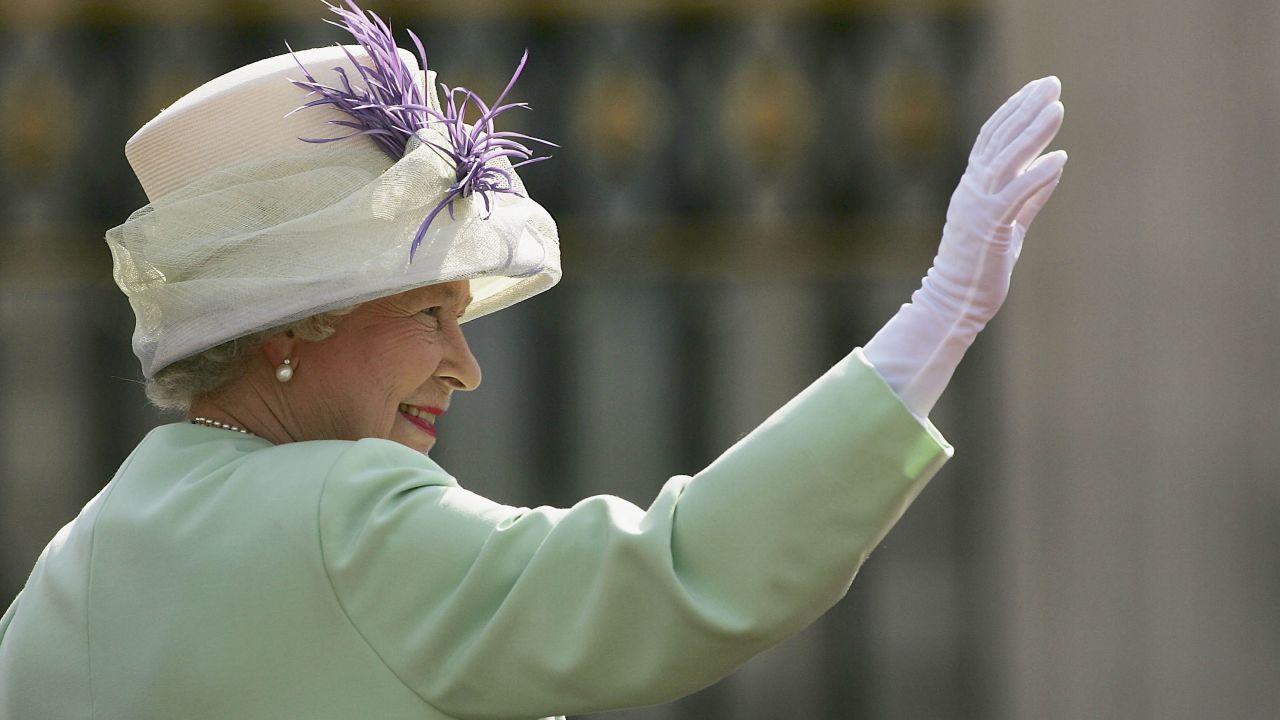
[432,311]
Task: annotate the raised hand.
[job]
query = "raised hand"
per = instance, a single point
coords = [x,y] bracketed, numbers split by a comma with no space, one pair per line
[1007,180]
[1005,185]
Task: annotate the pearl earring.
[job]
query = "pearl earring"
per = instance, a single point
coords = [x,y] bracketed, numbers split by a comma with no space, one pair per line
[284,373]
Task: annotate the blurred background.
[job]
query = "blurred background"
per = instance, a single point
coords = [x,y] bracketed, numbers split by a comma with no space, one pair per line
[746,191]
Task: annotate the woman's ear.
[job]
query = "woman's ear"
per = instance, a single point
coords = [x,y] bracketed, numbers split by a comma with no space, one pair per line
[279,348]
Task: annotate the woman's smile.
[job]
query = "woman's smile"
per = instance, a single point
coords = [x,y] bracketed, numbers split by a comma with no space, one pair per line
[424,417]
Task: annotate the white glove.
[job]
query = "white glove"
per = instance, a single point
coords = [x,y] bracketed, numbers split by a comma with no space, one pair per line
[1003,188]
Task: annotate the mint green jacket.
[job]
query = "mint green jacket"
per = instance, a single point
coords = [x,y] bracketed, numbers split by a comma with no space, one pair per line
[218,576]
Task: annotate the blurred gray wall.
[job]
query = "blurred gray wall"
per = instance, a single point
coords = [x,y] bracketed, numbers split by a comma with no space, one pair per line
[1141,347]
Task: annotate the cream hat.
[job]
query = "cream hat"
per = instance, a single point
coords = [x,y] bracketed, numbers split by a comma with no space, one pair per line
[249,227]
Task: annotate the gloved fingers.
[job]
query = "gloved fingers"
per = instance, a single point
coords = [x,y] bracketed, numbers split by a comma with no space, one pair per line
[1033,205]
[1034,185]
[998,117]
[1025,148]
[1046,92]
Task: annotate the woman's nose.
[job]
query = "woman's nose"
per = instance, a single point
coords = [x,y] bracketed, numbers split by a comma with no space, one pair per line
[459,367]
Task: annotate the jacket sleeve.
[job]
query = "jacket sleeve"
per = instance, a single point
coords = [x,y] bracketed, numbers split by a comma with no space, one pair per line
[489,611]
[7,618]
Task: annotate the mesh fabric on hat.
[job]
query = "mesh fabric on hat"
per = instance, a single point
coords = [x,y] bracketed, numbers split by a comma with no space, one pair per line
[267,242]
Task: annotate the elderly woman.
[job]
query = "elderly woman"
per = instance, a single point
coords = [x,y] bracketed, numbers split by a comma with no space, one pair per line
[292,551]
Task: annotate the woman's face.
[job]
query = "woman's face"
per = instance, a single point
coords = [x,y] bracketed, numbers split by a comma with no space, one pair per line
[388,372]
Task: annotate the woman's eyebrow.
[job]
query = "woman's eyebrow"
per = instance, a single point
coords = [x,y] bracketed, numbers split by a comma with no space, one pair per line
[453,297]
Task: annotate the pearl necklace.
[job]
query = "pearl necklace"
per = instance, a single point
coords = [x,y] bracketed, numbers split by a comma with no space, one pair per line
[214,423]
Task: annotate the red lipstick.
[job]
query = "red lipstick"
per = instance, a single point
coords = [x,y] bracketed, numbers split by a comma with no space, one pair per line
[427,427]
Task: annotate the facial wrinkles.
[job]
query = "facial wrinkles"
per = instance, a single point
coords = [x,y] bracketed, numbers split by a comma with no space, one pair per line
[356,406]
[414,363]
[330,417]
[417,332]
[414,340]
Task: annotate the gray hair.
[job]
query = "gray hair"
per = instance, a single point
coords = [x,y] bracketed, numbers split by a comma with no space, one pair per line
[175,386]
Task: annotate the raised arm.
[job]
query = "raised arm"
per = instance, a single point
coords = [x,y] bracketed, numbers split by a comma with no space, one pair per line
[485,610]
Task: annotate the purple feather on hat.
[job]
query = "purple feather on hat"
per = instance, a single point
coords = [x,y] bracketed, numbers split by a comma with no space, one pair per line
[390,108]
